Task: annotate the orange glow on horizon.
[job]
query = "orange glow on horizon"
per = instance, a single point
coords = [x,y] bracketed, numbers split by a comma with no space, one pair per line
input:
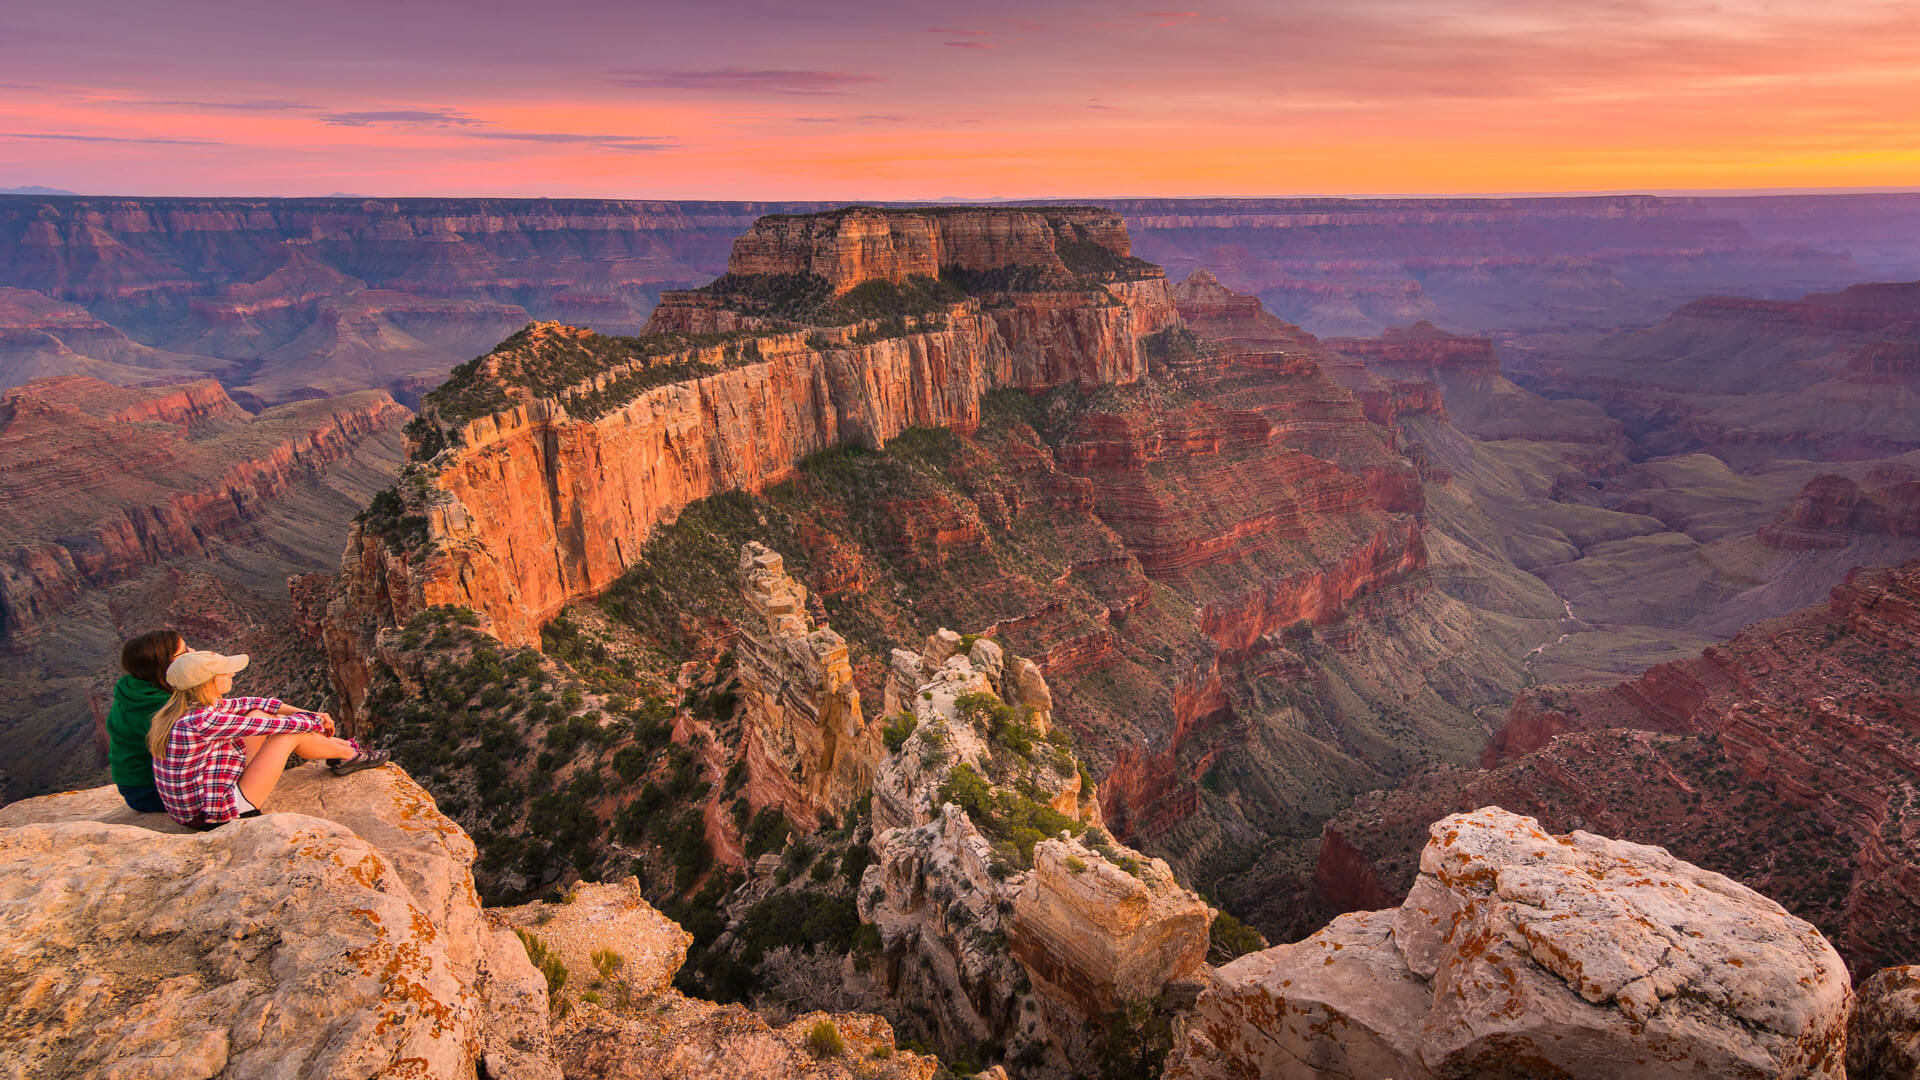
[1819,97]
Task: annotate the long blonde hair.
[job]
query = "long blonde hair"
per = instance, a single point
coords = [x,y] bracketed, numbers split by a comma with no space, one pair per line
[180,704]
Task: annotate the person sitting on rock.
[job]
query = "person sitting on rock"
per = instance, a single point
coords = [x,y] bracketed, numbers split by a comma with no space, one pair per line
[136,697]
[217,758]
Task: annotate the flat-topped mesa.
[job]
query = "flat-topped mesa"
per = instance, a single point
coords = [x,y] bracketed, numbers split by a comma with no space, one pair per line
[1422,347]
[862,243]
[541,469]
[809,750]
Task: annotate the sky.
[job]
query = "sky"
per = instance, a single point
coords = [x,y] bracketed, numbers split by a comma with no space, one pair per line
[987,99]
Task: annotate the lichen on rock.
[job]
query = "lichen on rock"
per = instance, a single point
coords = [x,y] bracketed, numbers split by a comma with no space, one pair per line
[1523,953]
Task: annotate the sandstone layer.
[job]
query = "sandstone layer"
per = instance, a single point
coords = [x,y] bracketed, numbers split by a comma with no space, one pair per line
[989,928]
[1523,953]
[1883,1037]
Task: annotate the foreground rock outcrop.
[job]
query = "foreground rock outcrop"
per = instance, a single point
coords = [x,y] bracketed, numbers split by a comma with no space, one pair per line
[338,935]
[1521,953]
[991,928]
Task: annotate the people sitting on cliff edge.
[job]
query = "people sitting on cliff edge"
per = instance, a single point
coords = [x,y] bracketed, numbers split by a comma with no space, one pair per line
[136,697]
[217,758]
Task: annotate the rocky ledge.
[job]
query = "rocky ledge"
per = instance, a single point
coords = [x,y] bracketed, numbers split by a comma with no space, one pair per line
[1520,953]
[339,936]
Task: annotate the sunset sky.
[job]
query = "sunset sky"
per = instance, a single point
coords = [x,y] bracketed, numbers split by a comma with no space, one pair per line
[796,100]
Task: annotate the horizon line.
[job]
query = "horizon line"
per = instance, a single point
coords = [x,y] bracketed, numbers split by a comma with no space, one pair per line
[950,200]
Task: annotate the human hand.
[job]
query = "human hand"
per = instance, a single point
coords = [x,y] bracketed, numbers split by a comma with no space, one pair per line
[326,723]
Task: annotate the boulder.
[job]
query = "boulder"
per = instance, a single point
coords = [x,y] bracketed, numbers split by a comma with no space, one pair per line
[1883,1037]
[1520,953]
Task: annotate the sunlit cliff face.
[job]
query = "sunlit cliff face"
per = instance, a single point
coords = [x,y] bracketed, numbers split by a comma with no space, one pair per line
[834,100]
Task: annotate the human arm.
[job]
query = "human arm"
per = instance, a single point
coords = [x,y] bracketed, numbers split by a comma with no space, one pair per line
[241,717]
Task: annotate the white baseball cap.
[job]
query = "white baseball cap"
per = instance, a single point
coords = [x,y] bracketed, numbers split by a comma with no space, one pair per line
[189,670]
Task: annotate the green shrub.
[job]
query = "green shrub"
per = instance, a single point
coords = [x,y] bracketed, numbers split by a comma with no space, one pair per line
[824,1041]
[1230,938]
[899,728]
[768,832]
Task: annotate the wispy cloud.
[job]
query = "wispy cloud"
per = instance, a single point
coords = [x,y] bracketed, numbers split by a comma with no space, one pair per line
[150,140]
[968,44]
[407,117]
[745,80]
[267,105]
[633,144]
[864,118]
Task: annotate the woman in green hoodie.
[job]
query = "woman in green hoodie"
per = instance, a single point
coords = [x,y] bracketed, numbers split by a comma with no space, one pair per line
[136,697]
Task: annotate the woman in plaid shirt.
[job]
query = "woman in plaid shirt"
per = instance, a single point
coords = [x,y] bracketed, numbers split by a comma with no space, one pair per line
[217,758]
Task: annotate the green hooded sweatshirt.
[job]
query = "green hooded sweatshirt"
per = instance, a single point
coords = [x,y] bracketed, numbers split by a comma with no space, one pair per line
[134,703]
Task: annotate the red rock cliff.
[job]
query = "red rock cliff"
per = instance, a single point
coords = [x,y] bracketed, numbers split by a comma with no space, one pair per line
[567,450]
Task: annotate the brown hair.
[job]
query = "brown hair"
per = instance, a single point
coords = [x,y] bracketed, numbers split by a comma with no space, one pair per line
[147,656]
[180,704]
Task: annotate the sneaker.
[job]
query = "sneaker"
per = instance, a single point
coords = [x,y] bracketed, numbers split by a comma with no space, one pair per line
[368,759]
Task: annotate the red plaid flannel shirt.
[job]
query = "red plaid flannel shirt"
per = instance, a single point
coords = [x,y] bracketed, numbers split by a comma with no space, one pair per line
[205,756]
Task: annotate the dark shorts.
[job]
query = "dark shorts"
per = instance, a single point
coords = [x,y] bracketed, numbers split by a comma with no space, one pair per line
[142,797]
[209,826]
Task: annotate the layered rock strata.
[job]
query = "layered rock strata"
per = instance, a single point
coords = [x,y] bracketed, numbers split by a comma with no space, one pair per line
[809,751]
[102,482]
[864,243]
[1783,758]
[1524,953]
[564,451]
[1831,506]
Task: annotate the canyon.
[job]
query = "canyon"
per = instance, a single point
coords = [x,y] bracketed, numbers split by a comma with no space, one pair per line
[288,298]
[126,951]
[1782,758]
[948,619]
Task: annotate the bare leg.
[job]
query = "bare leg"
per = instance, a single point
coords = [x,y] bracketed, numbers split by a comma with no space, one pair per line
[264,767]
[267,759]
[312,745]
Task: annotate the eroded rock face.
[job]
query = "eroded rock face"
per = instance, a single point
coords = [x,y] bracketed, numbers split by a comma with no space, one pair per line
[565,451]
[339,935]
[809,750]
[621,1019]
[986,941]
[1883,1037]
[1103,933]
[1523,953]
[102,481]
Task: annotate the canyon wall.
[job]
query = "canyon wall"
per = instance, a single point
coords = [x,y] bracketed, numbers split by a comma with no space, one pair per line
[553,483]
[102,482]
[1782,758]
